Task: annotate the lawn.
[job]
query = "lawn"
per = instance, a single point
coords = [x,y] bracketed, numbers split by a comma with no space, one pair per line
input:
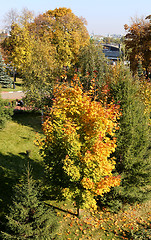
[15,139]
[132,222]
[18,86]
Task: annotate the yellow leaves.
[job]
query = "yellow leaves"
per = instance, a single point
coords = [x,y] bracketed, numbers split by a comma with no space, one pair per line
[87,183]
[77,130]
[145,93]
[71,169]
[59,12]
[49,42]
[69,34]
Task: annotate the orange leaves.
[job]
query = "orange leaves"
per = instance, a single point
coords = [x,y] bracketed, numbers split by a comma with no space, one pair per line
[106,183]
[137,43]
[81,133]
[87,183]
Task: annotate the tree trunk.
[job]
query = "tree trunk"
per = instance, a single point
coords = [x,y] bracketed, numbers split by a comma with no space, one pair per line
[79,212]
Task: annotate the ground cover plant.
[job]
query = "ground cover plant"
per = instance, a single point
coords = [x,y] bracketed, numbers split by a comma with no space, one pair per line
[131,222]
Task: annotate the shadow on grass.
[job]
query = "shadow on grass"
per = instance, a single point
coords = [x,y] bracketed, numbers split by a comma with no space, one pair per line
[28,118]
[12,167]
[62,210]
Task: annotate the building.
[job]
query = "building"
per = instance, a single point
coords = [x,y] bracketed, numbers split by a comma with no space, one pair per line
[112,52]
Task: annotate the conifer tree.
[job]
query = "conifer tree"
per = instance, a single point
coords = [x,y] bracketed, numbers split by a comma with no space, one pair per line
[5,80]
[133,152]
[28,217]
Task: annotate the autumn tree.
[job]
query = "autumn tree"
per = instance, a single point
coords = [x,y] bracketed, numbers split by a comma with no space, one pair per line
[67,33]
[77,144]
[33,59]
[62,29]
[38,72]
[17,44]
[42,48]
[137,44]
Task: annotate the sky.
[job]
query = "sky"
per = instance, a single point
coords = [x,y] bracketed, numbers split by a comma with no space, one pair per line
[103,16]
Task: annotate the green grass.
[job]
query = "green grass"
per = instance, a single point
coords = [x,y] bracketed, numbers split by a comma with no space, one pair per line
[18,86]
[15,139]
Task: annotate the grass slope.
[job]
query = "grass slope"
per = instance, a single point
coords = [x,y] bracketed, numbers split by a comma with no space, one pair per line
[15,139]
[18,86]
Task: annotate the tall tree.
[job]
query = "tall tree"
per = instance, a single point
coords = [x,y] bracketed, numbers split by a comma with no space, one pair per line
[41,49]
[10,18]
[133,152]
[28,217]
[33,59]
[79,138]
[17,45]
[67,33]
[137,44]
[59,28]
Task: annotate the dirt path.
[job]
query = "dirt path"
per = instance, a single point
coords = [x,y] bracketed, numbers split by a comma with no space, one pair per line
[12,95]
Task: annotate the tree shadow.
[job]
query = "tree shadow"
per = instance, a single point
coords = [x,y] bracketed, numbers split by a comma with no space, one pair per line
[28,118]
[62,210]
[12,167]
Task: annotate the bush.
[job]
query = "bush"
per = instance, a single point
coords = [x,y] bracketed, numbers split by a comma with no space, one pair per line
[5,112]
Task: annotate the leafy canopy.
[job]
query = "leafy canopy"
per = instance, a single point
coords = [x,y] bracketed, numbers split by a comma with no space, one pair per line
[79,138]
[138,44]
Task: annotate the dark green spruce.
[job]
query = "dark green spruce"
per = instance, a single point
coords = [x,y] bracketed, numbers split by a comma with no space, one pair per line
[29,218]
[133,152]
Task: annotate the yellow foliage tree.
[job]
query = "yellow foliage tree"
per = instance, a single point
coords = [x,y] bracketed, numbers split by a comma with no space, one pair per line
[42,49]
[67,33]
[79,139]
